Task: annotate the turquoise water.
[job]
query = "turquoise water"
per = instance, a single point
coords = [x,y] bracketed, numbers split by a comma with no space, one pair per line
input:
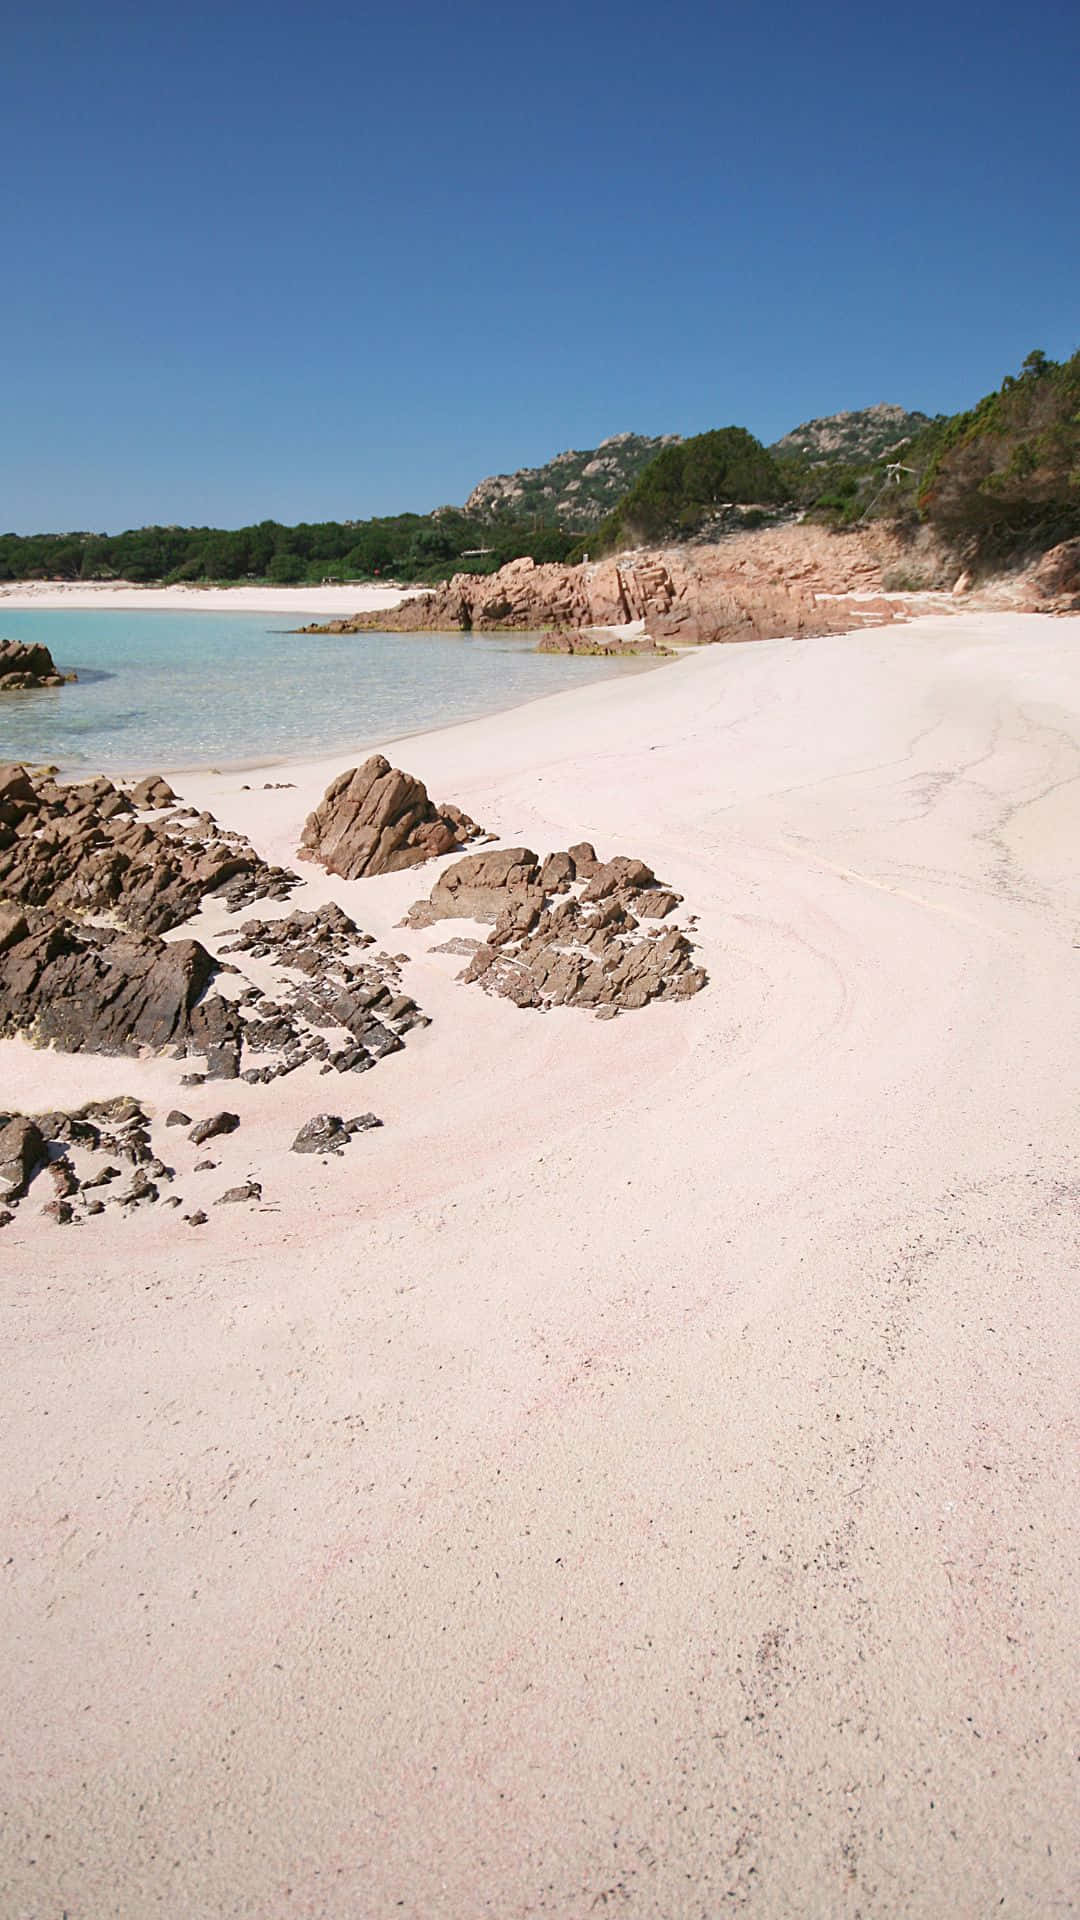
[200,689]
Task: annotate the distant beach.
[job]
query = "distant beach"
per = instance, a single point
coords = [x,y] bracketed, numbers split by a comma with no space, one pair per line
[127,596]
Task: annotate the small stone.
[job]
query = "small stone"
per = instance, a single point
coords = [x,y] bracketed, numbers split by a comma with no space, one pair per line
[209,1129]
[251,1190]
[101,1179]
[318,1135]
[195,1219]
[193,1079]
[206,1166]
[178,1119]
[363,1123]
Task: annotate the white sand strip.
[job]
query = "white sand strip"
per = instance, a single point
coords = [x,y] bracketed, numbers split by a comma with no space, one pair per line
[123,596]
[640,1478]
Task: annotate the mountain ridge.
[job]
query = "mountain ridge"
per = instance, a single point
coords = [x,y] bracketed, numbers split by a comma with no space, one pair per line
[575,489]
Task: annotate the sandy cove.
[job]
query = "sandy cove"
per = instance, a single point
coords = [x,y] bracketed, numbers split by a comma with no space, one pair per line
[639,1477]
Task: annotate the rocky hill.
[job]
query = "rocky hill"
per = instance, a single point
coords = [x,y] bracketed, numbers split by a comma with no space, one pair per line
[576,490]
[865,435]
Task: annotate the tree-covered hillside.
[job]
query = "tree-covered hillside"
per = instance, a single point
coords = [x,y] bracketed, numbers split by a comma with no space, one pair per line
[688,484]
[1007,474]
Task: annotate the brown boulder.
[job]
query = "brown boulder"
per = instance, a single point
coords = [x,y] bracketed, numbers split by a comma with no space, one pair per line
[377,819]
[480,887]
[1058,572]
[22,1149]
[153,793]
[25,664]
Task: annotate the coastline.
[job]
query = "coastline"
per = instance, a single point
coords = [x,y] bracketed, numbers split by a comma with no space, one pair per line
[667,1413]
[124,596]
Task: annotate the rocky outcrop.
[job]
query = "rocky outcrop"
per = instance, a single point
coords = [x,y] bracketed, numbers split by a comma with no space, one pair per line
[1055,580]
[575,489]
[22,1150]
[42,1146]
[329,1133]
[153,793]
[602,643]
[752,585]
[214,1125]
[82,849]
[69,981]
[25,664]
[358,1000]
[377,819]
[868,434]
[568,931]
[103,990]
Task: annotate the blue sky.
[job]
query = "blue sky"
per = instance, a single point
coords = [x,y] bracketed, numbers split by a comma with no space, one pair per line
[325,261]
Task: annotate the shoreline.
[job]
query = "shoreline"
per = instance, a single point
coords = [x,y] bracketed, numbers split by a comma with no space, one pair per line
[125,596]
[675,1406]
[629,668]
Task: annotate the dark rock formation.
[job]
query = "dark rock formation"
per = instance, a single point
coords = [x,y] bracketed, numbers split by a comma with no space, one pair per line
[377,819]
[73,856]
[328,1133]
[22,1150]
[210,1128]
[102,1129]
[25,664]
[323,1133]
[83,850]
[570,932]
[99,989]
[603,643]
[361,998]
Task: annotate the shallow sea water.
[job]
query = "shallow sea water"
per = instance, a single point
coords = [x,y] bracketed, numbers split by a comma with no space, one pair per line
[171,690]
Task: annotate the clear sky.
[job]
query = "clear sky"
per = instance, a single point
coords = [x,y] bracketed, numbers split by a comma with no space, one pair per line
[326,261]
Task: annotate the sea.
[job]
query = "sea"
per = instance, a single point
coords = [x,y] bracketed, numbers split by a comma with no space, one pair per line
[175,690]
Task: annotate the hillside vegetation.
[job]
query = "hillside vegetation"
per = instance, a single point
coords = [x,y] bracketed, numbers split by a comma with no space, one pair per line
[688,484]
[1006,475]
[574,491]
[999,480]
[408,546]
